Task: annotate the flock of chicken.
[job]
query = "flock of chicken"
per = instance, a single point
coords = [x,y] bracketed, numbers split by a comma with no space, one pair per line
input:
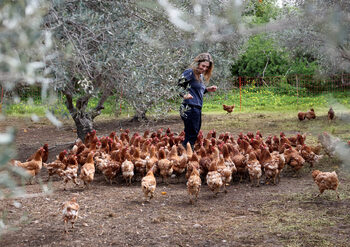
[215,160]
[312,115]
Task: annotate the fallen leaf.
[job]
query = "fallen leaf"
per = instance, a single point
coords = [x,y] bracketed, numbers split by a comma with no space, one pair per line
[163,193]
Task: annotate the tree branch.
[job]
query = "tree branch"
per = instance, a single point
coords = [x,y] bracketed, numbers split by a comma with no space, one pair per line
[344,52]
[69,102]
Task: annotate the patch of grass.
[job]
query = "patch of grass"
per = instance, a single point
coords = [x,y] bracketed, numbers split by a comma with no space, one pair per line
[267,99]
[300,227]
[23,108]
[252,99]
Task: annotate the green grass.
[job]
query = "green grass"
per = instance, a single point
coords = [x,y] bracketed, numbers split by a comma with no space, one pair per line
[267,99]
[250,99]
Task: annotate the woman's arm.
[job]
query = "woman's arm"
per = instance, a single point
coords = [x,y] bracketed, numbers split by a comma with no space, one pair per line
[183,84]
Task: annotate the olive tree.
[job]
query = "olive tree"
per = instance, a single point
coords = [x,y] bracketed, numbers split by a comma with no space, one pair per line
[24,48]
[87,37]
[320,29]
[106,47]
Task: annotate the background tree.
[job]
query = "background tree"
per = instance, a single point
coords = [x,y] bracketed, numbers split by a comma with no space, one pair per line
[117,45]
[320,30]
[261,12]
[87,35]
[108,46]
[265,57]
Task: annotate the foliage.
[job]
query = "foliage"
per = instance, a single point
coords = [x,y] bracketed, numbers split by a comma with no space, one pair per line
[301,66]
[86,36]
[263,57]
[24,48]
[23,45]
[319,29]
[262,11]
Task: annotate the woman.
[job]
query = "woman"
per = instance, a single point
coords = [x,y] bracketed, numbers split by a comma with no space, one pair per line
[193,89]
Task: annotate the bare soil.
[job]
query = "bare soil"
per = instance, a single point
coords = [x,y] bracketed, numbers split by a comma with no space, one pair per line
[287,214]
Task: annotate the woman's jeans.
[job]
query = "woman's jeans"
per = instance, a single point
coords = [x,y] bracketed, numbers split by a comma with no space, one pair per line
[192,117]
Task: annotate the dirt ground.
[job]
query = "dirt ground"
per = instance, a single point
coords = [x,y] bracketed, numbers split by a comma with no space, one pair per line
[287,214]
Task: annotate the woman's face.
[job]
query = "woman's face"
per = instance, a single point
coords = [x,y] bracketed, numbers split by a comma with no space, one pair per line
[203,67]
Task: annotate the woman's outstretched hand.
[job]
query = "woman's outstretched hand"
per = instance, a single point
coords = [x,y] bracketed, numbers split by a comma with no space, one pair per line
[212,88]
[188,96]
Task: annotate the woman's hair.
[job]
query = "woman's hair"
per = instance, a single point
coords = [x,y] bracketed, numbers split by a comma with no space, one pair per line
[203,57]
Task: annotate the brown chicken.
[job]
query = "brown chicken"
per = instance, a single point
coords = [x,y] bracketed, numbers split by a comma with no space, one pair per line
[145,149]
[148,184]
[164,166]
[301,116]
[77,148]
[89,138]
[293,158]
[193,162]
[152,159]
[301,139]
[228,108]
[139,163]
[331,114]
[109,167]
[71,171]
[87,171]
[204,161]
[214,180]
[178,168]
[111,171]
[44,155]
[283,140]
[271,163]
[240,162]
[293,140]
[308,155]
[127,169]
[182,155]
[32,167]
[57,166]
[225,172]
[82,156]
[254,169]
[226,167]
[326,181]
[316,149]
[70,211]
[310,114]
[194,184]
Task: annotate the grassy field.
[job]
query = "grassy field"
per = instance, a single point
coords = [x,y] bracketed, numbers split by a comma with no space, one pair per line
[250,99]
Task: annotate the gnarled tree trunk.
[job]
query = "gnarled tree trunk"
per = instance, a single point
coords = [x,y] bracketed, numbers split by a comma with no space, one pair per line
[82,117]
[139,116]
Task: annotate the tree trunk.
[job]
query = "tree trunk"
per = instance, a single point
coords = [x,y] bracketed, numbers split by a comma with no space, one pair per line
[83,123]
[138,117]
[83,119]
